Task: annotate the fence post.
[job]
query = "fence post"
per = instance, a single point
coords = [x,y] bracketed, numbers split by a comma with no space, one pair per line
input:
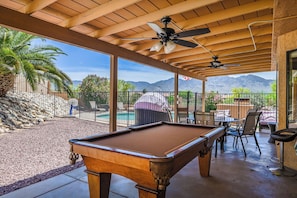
[54,104]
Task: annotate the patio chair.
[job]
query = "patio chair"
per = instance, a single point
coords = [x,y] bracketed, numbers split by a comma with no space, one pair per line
[248,128]
[120,106]
[93,104]
[183,115]
[95,107]
[204,118]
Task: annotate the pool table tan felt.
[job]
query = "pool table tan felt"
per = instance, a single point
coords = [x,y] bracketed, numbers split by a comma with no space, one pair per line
[149,155]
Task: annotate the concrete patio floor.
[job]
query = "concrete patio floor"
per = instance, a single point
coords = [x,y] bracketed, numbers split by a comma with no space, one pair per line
[232,175]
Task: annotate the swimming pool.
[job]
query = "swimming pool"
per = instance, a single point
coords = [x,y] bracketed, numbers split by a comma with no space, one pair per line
[121,116]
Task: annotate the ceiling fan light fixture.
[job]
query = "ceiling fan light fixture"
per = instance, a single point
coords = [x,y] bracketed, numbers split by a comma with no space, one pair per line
[156,47]
[169,47]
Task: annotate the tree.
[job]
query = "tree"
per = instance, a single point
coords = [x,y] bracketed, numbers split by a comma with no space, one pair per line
[211,101]
[36,63]
[271,98]
[94,88]
[123,88]
[240,92]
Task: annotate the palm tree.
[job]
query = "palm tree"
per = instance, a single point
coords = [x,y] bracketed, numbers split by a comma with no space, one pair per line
[36,63]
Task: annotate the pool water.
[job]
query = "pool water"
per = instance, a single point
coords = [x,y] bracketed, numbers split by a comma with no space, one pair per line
[120,116]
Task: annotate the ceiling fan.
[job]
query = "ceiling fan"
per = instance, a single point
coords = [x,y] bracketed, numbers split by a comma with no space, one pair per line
[168,38]
[217,64]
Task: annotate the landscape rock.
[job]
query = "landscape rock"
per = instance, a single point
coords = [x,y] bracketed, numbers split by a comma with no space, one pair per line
[22,109]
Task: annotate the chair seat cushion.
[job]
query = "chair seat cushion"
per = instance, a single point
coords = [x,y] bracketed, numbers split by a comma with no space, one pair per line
[233,132]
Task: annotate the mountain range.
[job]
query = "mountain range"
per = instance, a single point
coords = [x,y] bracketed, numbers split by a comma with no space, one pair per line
[221,84]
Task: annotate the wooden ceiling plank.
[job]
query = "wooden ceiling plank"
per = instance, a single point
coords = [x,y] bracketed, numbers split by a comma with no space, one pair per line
[235,36]
[184,56]
[265,66]
[228,13]
[222,52]
[214,31]
[261,67]
[23,22]
[154,16]
[231,61]
[242,66]
[97,12]
[36,6]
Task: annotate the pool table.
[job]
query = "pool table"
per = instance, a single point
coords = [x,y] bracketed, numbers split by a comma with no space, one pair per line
[149,155]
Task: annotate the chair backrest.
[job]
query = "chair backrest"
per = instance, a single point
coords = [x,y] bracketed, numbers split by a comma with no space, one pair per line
[250,123]
[204,118]
[170,119]
[120,106]
[92,104]
[182,114]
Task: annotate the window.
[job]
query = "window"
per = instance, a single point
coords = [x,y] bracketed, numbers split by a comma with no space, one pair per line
[292,88]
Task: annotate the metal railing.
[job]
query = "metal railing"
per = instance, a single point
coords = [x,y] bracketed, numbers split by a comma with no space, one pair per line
[238,104]
[59,105]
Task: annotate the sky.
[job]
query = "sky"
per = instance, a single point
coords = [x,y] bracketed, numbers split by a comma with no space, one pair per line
[80,62]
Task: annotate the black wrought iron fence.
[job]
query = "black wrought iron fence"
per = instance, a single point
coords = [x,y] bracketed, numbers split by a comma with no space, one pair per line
[96,105]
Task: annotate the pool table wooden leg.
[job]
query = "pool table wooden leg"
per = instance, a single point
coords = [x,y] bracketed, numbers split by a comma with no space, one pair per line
[204,164]
[99,184]
[148,193]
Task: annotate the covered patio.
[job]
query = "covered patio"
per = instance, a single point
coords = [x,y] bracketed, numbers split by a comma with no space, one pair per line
[204,38]
[253,33]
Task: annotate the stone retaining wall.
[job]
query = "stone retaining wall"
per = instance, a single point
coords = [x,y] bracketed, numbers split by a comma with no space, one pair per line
[20,110]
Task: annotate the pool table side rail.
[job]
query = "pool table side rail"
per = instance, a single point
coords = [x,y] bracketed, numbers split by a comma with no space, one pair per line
[107,148]
[97,136]
[141,127]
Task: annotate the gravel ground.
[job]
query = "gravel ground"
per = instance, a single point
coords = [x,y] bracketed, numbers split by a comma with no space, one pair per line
[37,153]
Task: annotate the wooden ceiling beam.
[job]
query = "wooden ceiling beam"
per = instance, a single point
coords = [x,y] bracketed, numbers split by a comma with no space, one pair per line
[243,65]
[32,25]
[36,6]
[214,31]
[96,12]
[235,60]
[227,14]
[224,48]
[154,16]
[235,36]
[267,30]
[262,67]
[182,53]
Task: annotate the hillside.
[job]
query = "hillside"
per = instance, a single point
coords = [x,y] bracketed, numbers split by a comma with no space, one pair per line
[221,84]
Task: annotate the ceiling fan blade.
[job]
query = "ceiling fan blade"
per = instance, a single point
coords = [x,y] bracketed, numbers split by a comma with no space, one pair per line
[223,67]
[194,32]
[184,43]
[231,65]
[156,28]
[140,39]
